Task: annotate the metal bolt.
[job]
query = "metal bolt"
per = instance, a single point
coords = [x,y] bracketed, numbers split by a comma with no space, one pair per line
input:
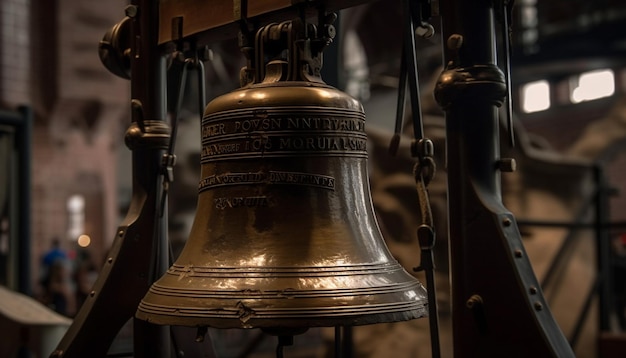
[538,306]
[507,165]
[110,259]
[331,31]
[507,222]
[180,57]
[205,54]
[518,253]
[92,293]
[201,333]
[331,18]
[455,41]
[131,10]
[425,31]
[532,290]
[474,301]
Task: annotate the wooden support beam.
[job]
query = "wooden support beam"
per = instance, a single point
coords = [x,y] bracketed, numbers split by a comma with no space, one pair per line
[214,20]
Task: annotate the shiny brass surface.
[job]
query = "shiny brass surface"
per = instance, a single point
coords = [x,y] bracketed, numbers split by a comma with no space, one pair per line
[285,234]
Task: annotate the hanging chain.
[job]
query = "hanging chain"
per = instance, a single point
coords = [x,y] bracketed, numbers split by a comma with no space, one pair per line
[417,12]
[424,172]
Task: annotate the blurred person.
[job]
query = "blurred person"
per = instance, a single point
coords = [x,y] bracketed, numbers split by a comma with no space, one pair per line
[58,289]
[56,253]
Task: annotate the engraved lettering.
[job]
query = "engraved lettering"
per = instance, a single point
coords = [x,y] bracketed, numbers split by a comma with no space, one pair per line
[260,144]
[272,177]
[322,143]
[213,130]
[258,124]
[293,123]
[326,123]
[231,178]
[240,201]
[278,177]
[282,132]
[216,149]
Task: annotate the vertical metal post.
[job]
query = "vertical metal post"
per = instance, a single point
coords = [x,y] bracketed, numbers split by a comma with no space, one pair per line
[138,254]
[24,140]
[498,309]
[20,204]
[148,93]
[603,249]
[333,60]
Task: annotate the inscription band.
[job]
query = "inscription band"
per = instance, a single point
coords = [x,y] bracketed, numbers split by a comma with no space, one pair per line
[284,145]
[284,131]
[271,177]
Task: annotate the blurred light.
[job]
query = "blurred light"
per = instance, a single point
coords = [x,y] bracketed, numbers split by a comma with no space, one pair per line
[592,85]
[536,96]
[76,216]
[84,240]
[75,203]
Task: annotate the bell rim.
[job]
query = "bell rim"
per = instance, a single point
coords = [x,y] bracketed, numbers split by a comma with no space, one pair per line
[246,318]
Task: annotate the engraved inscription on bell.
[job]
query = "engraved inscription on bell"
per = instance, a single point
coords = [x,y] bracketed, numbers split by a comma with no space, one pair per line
[235,202]
[271,177]
[280,132]
[216,126]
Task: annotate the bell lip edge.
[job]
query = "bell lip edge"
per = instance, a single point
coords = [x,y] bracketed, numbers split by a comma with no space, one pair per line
[284,323]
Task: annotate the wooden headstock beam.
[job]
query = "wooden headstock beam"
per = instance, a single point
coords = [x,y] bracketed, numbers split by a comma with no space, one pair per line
[215,20]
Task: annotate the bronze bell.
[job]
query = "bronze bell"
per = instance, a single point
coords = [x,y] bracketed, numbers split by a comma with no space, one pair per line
[284,234]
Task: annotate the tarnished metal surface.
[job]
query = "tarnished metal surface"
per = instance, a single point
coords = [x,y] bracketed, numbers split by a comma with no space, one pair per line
[284,234]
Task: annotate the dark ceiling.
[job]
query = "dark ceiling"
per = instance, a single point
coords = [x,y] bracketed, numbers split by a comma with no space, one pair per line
[550,37]
[569,36]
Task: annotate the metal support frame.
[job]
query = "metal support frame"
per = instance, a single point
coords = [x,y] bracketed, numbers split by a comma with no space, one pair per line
[493,284]
[603,251]
[601,288]
[22,122]
[138,254]
[485,243]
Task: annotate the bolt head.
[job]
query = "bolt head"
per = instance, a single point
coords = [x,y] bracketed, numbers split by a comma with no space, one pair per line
[131,10]
[455,41]
[507,165]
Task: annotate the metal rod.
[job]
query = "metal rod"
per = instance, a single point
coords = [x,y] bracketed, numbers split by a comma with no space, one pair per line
[24,137]
[566,245]
[337,342]
[603,251]
[21,120]
[400,104]
[584,312]
[148,89]
[411,67]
